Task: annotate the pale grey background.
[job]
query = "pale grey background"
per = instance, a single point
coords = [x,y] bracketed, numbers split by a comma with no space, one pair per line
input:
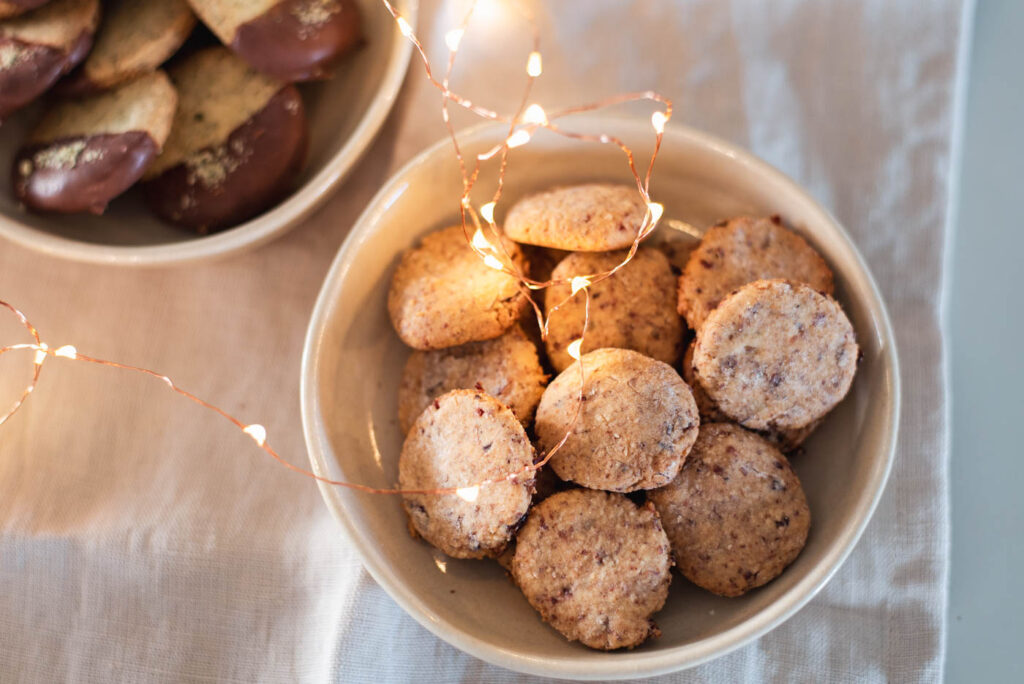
[987,328]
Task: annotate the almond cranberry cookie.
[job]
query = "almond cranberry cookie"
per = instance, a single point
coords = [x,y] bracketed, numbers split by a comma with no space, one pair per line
[461,439]
[633,309]
[776,355]
[736,514]
[595,566]
[596,217]
[507,368]
[443,294]
[636,425]
[740,251]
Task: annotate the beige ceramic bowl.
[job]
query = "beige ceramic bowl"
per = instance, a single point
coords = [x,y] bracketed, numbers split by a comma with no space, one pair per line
[353,361]
[345,114]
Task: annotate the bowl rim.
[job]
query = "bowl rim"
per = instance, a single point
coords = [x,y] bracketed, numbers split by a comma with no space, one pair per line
[261,229]
[635,663]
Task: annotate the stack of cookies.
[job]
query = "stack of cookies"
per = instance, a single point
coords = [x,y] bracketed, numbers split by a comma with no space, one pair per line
[217,139]
[660,457]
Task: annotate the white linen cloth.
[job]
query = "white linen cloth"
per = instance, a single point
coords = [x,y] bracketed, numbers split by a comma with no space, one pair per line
[142,538]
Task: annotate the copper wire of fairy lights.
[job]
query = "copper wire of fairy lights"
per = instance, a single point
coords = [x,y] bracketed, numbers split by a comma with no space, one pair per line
[522,125]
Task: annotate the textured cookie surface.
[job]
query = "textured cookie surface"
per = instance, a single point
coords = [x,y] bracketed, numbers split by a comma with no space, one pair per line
[135,38]
[636,425]
[597,217]
[86,152]
[595,566]
[12,8]
[294,40]
[741,251]
[218,93]
[736,514]
[443,294]
[58,24]
[238,144]
[784,439]
[461,439]
[776,355]
[507,368]
[633,309]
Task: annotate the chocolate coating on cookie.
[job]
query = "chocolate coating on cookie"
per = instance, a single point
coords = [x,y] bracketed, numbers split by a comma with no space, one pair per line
[636,425]
[595,217]
[740,251]
[254,168]
[775,355]
[633,309]
[442,293]
[736,514]
[507,368]
[595,566]
[299,40]
[82,173]
[37,48]
[85,152]
[463,438]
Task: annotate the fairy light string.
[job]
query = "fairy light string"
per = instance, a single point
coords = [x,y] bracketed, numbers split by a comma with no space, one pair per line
[522,126]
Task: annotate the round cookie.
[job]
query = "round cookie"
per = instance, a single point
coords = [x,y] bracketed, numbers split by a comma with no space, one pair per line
[740,251]
[785,439]
[39,47]
[238,142]
[596,217]
[776,355]
[443,294]
[637,423]
[633,309]
[507,368]
[136,37]
[463,438]
[595,566]
[292,40]
[736,514]
[86,152]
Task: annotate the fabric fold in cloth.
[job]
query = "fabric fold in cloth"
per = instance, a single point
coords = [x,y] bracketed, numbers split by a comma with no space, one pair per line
[140,540]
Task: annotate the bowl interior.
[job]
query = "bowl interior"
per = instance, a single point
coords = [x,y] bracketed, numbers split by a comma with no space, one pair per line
[344,113]
[354,361]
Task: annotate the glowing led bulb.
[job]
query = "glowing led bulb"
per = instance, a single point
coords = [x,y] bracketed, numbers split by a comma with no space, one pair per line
[658,120]
[535,114]
[578,283]
[574,348]
[41,354]
[257,432]
[520,137]
[67,351]
[469,494]
[403,26]
[453,38]
[534,66]
[487,211]
[480,240]
[656,210]
[494,262]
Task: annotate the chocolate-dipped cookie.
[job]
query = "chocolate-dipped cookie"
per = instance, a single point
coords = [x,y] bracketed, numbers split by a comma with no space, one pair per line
[12,8]
[293,40]
[237,144]
[86,152]
[136,37]
[39,47]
